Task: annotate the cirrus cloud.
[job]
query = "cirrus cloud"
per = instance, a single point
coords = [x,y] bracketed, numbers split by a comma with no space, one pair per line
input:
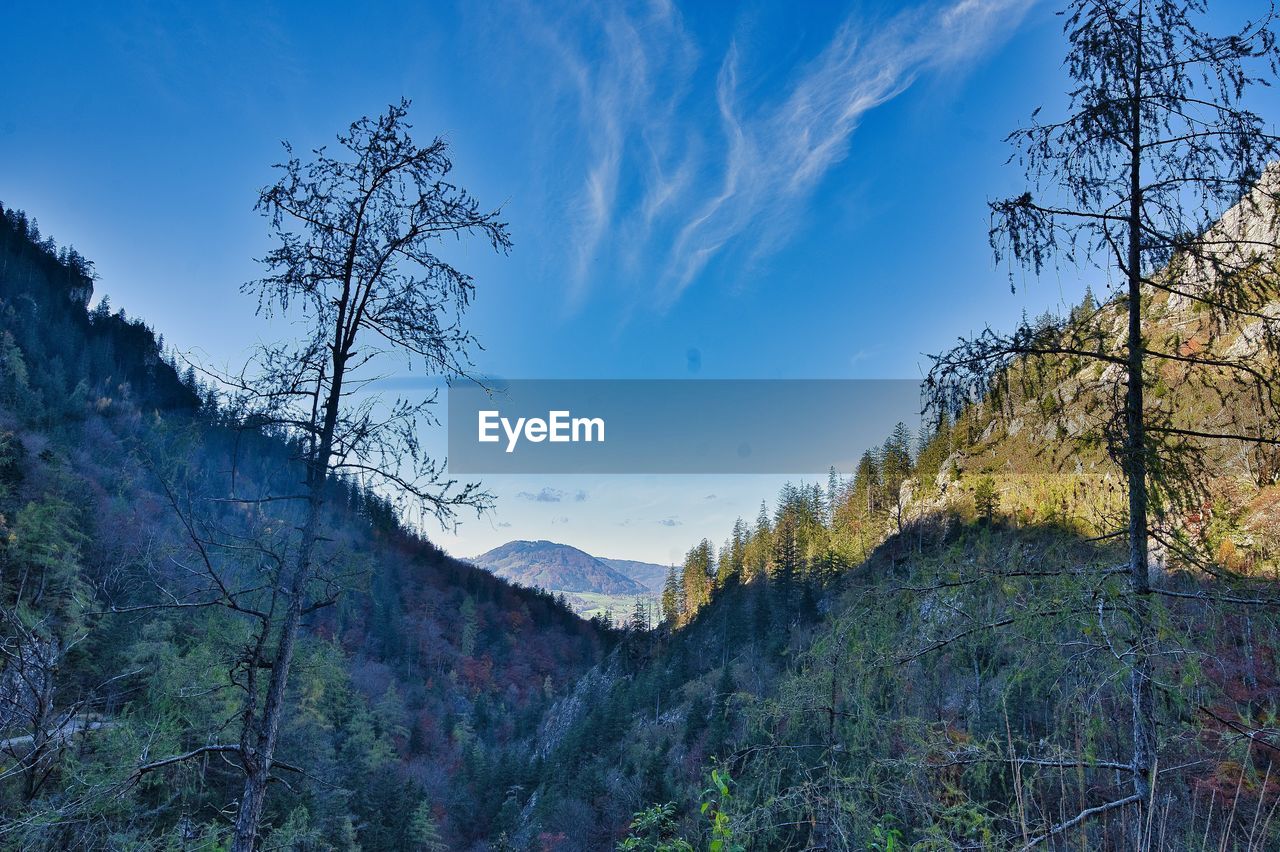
[681,166]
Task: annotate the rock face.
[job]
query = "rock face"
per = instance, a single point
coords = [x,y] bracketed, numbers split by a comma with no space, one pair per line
[1250,230]
[560,567]
[590,690]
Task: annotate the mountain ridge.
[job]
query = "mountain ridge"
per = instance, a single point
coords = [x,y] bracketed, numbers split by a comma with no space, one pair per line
[559,567]
[651,575]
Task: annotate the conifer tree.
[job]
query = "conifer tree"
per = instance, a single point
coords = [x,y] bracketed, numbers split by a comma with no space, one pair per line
[866,484]
[671,598]
[1157,144]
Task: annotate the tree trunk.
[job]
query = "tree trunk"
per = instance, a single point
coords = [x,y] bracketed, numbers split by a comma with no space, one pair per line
[258,759]
[1140,689]
[41,742]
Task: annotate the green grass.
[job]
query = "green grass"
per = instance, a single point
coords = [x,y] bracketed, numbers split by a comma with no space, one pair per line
[588,604]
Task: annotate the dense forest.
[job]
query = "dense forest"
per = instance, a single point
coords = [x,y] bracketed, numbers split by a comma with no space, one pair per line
[1049,620]
[418,693]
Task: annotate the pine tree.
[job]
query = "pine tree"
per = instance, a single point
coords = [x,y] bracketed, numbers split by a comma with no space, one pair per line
[718,733]
[895,466]
[696,579]
[1156,145]
[834,497]
[639,616]
[424,834]
[671,598]
[935,447]
[760,547]
[866,484]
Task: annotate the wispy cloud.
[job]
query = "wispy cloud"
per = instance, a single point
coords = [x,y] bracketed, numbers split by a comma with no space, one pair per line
[775,156]
[626,72]
[682,167]
[548,495]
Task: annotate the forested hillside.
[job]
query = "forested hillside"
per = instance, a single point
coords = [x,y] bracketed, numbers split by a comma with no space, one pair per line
[418,692]
[928,653]
[1050,620]
[937,650]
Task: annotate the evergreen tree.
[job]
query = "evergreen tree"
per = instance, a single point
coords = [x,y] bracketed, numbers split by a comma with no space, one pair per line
[761,609]
[1156,145]
[866,484]
[639,616]
[424,834]
[696,579]
[759,549]
[671,598]
[718,733]
[833,495]
[895,465]
[935,447]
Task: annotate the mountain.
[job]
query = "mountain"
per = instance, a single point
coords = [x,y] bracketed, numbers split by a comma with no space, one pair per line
[649,574]
[894,661]
[930,654]
[557,567]
[416,693]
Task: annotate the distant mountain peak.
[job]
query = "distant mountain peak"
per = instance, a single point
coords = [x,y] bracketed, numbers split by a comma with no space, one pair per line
[557,567]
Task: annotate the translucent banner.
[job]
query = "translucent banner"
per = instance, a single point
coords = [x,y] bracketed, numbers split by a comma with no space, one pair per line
[673,426]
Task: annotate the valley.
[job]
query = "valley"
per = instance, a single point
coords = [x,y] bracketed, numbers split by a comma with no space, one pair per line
[1044,616]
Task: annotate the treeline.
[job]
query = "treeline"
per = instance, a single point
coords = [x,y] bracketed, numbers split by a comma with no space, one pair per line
[954,690]
[57,355]
[814,532]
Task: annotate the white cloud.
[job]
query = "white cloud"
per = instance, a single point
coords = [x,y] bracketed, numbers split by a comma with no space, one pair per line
[669,185]
[775,156]
[547,495]
[626,73]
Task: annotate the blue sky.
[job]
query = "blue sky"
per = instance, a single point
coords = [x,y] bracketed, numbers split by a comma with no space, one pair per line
[727,190]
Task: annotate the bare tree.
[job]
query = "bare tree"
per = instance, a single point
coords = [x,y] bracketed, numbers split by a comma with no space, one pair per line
[356,263]
[27,701]
[31,701]
[1157,144]
[356,268]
